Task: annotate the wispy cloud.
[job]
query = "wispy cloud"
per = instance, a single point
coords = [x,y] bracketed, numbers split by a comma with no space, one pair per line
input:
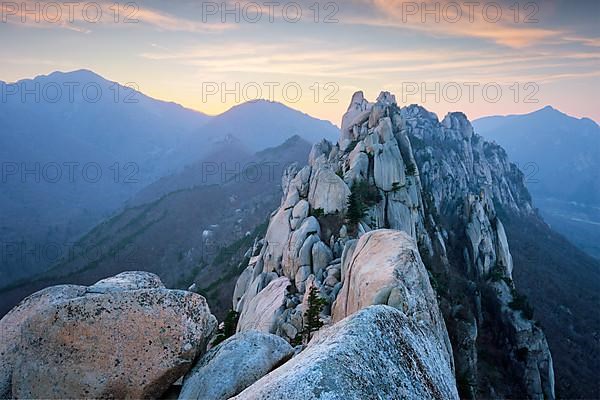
[32,14]
[443,19]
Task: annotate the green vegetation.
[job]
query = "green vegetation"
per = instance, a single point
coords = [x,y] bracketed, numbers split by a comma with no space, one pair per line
[231,260]
[356,209]
[362,196]
[227,328]
[522,353]
[496,274]
[311,315]
[186,280]
[411,169]
[351,146]
[520,303]
[317,212]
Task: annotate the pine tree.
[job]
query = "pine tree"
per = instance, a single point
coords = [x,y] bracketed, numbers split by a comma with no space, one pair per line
[312,319]
[227,328]
[356,210]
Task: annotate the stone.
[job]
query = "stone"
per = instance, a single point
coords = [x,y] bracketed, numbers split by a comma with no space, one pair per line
[349,248]
[377,353]
[116,344]
[131,280]
[299,213]
[11,324]
[305,253]
[319,152]
[300,278]
[276,238]
[387,262]
[389,168]
[310,226]
[235,364]
[359,167]
[502,249]
[357,113]
[321,257]
[241,285]
[261,312]
[328,191]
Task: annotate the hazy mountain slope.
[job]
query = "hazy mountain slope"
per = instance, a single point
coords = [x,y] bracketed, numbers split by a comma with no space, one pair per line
[560,156]
[177,235]
[95,143]
[563,286]
[227,158]
[260,124]
[68,162]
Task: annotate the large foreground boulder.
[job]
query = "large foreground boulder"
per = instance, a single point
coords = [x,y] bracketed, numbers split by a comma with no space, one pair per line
[124,337]
[234,365]
[377,353]
[10,327]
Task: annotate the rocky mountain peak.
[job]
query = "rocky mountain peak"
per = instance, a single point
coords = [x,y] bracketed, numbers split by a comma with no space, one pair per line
[428,189]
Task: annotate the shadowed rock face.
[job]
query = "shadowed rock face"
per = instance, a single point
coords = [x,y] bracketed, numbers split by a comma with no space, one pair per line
[234,365]
[124,337]
[377,353]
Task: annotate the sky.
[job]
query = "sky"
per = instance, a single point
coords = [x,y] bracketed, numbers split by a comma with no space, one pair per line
[479,57]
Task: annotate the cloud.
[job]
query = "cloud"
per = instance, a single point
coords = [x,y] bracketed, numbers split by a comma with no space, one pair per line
[85,17]
[453,19]
[593,42]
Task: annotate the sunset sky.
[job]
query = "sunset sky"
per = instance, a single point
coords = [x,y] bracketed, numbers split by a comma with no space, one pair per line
[547,53]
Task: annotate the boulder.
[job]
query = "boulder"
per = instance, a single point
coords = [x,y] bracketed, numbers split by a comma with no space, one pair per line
[130,280]
[299,213]
[321,257]
[357,113]
[261,312]
[276,238]
[377,353]
[11,325]
[118,343]
[386,268]
[389,168]
[328,191]
[291,253]
[234,365]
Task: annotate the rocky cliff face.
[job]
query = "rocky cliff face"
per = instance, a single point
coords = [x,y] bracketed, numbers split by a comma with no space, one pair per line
[437,188]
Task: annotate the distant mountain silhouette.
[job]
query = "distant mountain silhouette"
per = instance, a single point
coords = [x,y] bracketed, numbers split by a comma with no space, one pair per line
[259,124]
[559,153]
[75,147]
[560,156]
